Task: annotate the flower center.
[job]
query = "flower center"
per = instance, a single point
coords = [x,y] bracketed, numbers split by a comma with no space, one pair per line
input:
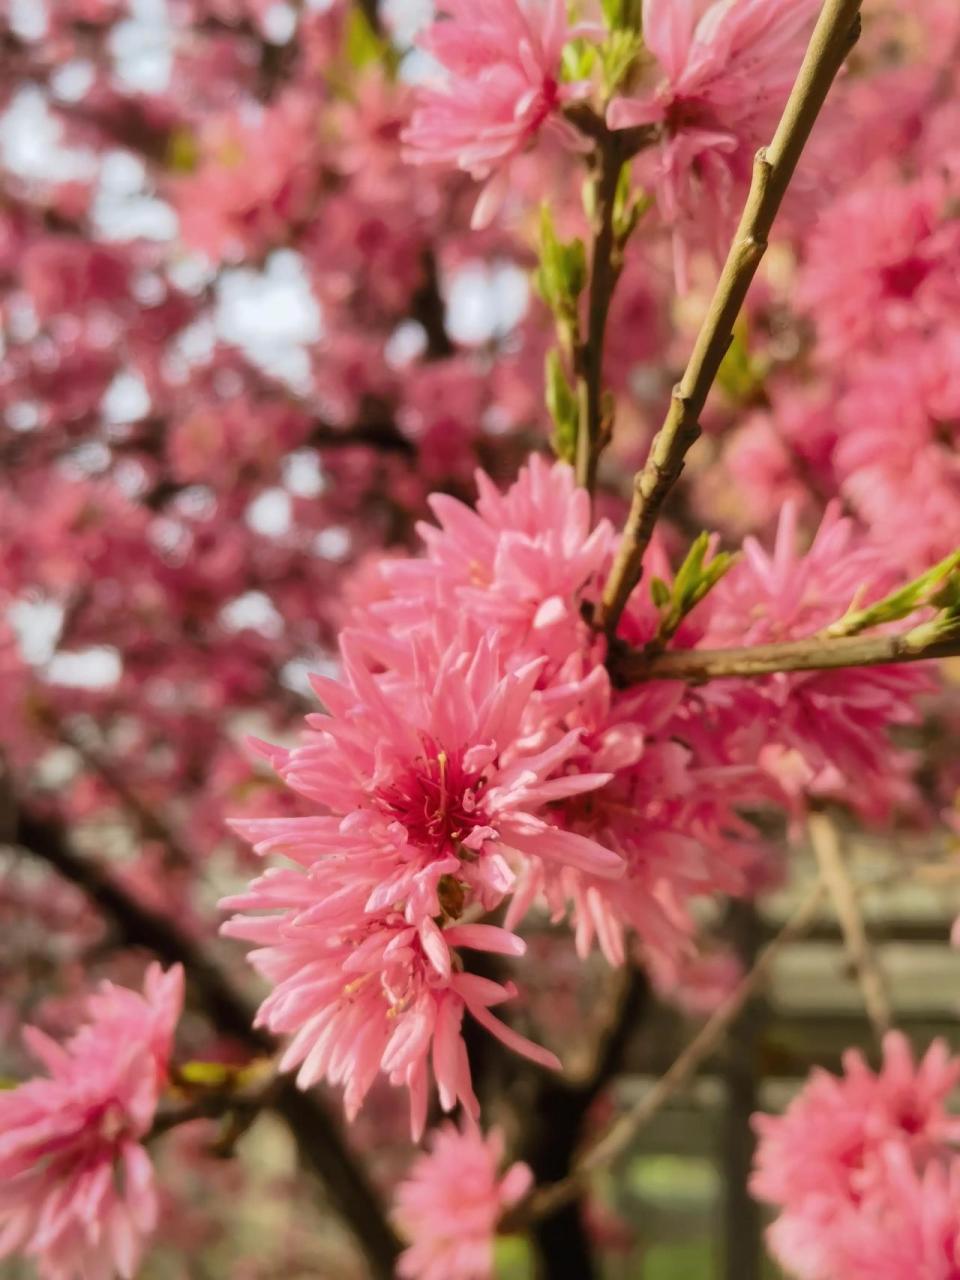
[435,798]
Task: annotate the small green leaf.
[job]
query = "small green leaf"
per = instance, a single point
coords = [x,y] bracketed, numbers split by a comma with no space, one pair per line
[741,376]
[513,1258]
[694,580]
[939,587]
[207,1075]
[562,405]
[362,45]
[183,151]
[579,61]
[622,15]
[619,57]
[562,276]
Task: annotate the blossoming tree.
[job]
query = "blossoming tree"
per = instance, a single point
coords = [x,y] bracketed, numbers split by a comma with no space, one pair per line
[372,596]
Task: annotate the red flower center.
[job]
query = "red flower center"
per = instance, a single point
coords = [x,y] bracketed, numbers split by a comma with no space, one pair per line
[435,798]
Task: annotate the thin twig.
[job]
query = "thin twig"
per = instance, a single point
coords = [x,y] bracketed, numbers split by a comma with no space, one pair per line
[606,266]
[826,846]
[922,644]
[834,36]
[622,1133]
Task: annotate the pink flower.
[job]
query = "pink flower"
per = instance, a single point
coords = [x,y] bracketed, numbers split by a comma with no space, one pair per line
[502,59]
[727,72]
[428,797]
[823,732]
[256,177]
[451,1202]
[76,1184]
[828,1153]
[522,563]
[881,265]
[910,1231]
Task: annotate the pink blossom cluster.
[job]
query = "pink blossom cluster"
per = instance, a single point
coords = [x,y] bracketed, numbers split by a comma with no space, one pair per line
[451,1202]
[78,1185]
[863,1170]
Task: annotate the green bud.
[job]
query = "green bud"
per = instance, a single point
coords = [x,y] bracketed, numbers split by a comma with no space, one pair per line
[562,405]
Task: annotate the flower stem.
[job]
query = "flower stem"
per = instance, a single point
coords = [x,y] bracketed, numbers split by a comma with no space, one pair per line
[835,33]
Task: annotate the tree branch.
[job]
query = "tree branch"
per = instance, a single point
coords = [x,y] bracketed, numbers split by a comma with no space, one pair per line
[922,644]
[319,1139]
[834,36]
[833,870]
[605,268]
[618,1138]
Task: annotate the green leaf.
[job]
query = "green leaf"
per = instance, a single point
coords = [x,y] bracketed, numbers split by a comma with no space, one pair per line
[741,376]
[562,404]
[183,151]
[622,15]
[562,276]
[629,206]
[362,45]
[513,1258]
[578,62]
[207,1075]
[694,580]
[939,587]
[619,56]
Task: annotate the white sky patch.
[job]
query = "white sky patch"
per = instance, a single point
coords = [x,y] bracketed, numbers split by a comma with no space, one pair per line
[485,302]
[123,208]
[23,416]
[333,543]
[28,19]
[73,81]
[126,399]
[279,24]
[253,611]
[406,18]
[405,344]
[296,674]
[270,513]
[142,47]
[272,316]
[99,667]
[303,473]
[36,624]
[31,143]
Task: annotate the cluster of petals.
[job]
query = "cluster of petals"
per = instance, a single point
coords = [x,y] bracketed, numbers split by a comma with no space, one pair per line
[429,788]
[819,733]
[849,1165]
[77,1190]
[501,85]
[451,1201]
[727,68]
[525,565]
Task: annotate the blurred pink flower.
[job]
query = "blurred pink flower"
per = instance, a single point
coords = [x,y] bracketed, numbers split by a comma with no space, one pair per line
[451,1201]
[828,1153]
[76,1184]
[823,732]
[502,60]
[728,69]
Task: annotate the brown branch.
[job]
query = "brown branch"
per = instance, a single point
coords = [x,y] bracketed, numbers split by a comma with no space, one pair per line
[834,36]
[618,1138]
[923,643]
[606,266]
[833,870]
[319,1138]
